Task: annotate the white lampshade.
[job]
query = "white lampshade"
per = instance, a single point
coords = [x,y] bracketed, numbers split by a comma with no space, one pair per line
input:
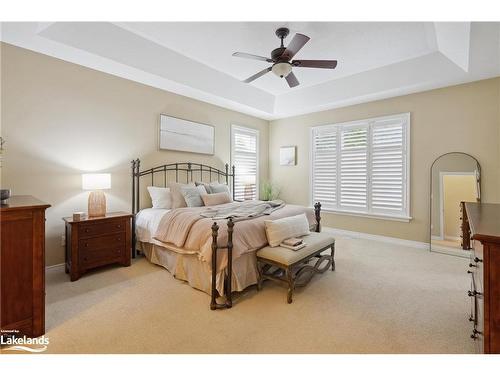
[282,69]
[96,181]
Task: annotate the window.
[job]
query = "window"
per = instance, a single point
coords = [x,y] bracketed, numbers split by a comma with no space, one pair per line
[362,167]
[244,157]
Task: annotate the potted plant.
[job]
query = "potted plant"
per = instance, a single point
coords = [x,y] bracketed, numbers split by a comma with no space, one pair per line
[270,191]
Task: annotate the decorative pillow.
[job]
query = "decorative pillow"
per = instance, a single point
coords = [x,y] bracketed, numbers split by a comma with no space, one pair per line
[215,199]
[177,197]
[279,230]
[205,185]
[216,187]
[193,194]
[160,197]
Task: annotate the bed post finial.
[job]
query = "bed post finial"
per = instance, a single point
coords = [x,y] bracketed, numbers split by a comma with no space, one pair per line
[229,299]
[317,214]
[213,291]
[234,176]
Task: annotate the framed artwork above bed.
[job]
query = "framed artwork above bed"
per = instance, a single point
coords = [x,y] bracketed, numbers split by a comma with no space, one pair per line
[184,135]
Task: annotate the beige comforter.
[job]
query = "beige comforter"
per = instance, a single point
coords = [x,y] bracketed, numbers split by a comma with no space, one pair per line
[189,232]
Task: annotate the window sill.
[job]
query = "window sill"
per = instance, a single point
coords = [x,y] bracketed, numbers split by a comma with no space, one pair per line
[405,219]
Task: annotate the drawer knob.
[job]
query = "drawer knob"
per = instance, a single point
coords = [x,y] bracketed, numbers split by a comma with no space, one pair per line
[475,333]
[469,271]
[471,318]
[86,244]
[472,265]
[477,260]
[119,226]
[474,293]
[87,230]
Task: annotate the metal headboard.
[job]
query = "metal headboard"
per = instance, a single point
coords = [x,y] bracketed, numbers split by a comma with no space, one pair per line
[183,173]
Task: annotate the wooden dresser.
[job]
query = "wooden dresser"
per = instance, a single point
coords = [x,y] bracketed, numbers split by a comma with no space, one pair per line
[98,241]
[482,221]
[22,266]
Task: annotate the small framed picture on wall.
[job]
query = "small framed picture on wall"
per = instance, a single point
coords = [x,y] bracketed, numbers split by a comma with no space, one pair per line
[288,155]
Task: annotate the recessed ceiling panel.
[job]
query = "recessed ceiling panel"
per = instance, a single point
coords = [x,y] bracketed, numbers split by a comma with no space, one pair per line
[357,46]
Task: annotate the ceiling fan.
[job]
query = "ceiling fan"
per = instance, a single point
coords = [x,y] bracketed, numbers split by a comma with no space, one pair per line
[281,56]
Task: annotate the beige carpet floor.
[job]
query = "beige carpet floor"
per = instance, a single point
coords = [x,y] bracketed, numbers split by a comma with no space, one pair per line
[382,298]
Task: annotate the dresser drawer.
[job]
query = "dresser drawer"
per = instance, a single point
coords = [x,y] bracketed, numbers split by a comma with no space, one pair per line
[101,242]
[478,333]
[96,258]
[478,264]
[97,229]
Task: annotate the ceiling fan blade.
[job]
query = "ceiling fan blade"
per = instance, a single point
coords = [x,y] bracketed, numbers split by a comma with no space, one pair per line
[298,41]
[259,74]
[324,64]
[250,56]
[292,80]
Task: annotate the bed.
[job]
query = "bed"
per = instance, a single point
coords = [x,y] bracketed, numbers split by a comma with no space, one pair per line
[215,254]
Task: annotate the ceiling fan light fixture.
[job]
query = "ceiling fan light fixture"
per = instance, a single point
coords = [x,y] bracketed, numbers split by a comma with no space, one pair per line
[282,69]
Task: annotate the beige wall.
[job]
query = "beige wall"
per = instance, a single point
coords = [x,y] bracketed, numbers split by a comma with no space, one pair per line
[459,118]
[61,119]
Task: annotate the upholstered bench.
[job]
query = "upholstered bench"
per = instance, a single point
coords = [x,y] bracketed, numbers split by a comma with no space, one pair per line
[292,267]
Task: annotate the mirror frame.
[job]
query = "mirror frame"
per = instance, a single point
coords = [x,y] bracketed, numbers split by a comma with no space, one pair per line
[478,182]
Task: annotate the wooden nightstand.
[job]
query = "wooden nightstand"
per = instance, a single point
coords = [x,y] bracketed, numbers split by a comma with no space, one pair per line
[96,242]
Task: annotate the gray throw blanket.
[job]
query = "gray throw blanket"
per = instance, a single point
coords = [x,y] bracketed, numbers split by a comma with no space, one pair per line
[243,210]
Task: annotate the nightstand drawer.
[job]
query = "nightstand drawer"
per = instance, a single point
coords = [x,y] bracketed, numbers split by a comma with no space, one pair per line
[95,258]
[94,229]
[102,242]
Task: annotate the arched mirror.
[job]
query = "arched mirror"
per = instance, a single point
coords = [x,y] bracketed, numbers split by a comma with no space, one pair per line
[455,178]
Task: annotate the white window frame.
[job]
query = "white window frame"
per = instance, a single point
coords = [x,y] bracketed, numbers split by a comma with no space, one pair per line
[405,217]
[255,132]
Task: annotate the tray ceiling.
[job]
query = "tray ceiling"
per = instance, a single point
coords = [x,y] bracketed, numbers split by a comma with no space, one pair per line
[376,59]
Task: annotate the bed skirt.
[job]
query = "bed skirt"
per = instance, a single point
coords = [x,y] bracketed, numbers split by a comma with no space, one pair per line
[189,268]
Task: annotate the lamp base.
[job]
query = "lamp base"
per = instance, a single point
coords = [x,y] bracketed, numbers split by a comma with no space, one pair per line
[97,204]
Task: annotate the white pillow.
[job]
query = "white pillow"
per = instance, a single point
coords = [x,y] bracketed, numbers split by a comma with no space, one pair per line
[160,197]
[216,187]
[279,230]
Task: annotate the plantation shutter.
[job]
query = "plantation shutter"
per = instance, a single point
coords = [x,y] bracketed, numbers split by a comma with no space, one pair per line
[244,151]
[388,171]
[324,166]
[354,167]
[362,166]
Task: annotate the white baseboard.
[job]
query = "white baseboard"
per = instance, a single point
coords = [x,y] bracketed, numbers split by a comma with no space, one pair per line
[54,267]
[451,251]
[375,237]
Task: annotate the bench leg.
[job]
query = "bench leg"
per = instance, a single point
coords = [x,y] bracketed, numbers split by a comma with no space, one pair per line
[289,278]
[259,281]
[333,256]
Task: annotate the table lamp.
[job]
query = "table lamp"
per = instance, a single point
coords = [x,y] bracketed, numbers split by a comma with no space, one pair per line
[97,200]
